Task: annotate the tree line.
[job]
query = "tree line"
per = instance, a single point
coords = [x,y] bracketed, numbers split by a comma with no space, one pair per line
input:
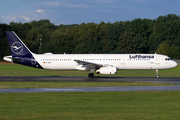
[161,35]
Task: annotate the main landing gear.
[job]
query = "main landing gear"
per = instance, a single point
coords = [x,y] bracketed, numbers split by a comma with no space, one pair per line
[91,75]
[157,74]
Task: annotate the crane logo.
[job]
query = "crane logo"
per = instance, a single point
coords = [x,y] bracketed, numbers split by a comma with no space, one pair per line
[17,47]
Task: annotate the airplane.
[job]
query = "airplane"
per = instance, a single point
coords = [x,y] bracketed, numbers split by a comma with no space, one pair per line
[100,63]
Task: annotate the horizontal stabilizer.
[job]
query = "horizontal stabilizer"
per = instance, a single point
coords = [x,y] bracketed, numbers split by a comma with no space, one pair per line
[8,58]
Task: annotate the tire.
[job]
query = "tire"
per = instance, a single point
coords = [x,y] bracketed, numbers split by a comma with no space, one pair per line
[90,75]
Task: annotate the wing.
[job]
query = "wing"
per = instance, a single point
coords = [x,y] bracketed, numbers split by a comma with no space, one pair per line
[89,65]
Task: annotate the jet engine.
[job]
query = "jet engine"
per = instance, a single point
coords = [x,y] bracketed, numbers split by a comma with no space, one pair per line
[107,70]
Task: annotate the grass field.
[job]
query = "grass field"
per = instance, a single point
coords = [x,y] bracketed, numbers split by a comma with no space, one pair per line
[139,105]
[161,105]
[19,70]
[76,84]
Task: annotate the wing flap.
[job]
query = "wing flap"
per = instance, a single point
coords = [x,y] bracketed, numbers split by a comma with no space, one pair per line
[85,65]
[88,65]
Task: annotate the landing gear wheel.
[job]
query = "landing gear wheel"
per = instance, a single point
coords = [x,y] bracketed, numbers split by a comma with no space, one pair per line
[157,75]
[91,75]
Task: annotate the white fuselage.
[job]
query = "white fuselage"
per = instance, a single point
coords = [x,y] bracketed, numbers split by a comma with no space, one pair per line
[121,61]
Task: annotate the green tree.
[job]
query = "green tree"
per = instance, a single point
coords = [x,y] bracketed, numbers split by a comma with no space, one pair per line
[163,48]
[113,32]
[127,43]
[174,52]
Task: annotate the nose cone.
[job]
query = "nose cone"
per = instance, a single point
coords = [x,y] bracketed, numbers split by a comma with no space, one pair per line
[173,64]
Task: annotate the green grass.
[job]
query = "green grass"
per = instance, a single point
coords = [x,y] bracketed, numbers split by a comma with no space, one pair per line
[76,84]
[9,70]
[154,105]
[139,105]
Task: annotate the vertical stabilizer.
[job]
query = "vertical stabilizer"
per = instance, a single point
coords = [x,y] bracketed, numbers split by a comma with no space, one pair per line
[20,53]
[17,47]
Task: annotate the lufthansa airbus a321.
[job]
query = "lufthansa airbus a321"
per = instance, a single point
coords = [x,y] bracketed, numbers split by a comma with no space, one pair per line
[100,63]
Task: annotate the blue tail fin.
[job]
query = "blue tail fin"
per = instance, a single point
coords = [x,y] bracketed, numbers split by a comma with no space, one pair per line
[20,53]
[18,48]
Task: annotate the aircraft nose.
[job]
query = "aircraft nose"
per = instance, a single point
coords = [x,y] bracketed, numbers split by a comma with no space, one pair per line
[174,64]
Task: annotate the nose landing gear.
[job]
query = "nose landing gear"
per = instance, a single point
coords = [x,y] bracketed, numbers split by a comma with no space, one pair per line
[157,74]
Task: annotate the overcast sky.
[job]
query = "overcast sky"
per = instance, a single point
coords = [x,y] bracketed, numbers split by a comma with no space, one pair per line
[79,11]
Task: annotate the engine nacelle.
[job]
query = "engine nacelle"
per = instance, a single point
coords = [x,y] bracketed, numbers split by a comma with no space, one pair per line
[107,70]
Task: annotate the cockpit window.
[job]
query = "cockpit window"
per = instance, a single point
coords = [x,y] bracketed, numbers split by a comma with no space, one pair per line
[167,59]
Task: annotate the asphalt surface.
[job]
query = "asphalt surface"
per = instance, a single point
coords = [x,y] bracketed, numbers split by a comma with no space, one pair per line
[96,79]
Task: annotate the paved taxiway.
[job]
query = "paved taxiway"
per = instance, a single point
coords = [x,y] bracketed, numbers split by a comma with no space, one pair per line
[96,79]
[94,89]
